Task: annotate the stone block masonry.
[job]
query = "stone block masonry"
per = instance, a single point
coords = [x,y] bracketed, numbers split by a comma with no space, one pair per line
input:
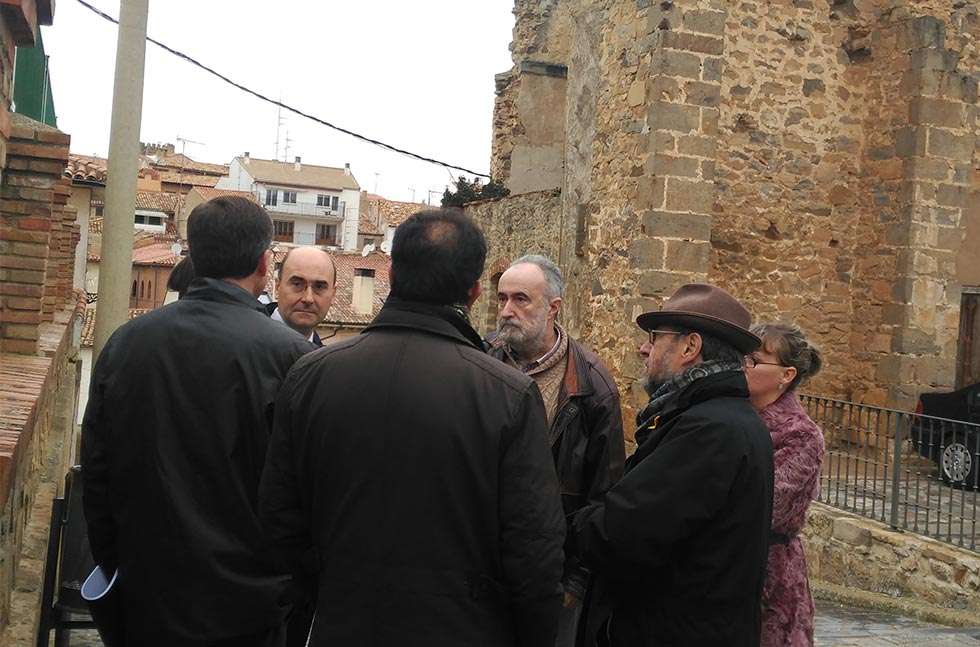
[817,159]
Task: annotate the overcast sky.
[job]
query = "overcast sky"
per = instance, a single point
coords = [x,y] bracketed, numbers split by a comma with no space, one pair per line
[417,74]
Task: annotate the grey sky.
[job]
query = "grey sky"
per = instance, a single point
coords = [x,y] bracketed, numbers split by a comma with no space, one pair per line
[416,74]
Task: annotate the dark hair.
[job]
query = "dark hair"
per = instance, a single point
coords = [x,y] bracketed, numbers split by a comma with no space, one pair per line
[790,345]
[436,257]
[713,348]
[227,237]
[181,276]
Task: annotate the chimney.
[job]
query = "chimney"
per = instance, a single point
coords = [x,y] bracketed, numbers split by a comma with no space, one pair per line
[363,291]
[296,164]
[245,159]
[347,168]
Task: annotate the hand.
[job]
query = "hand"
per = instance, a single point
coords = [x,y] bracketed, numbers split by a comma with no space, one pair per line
[570,600]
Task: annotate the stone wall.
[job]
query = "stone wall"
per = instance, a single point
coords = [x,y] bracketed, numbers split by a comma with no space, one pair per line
[816,157]
[869,556]
[514,226]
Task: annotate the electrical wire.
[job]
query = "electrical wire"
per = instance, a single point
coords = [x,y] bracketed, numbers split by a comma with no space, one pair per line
[262,97]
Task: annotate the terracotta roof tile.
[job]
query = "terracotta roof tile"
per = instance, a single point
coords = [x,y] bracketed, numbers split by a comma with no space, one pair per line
[163,201]
[179,161]
[342,311]
[367,225]
[309,175]
[393,212]
[88,323]
[209,193]
[86,168]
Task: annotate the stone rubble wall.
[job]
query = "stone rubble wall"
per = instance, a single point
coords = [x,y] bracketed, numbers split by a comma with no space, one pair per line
[816,157]
[869,556]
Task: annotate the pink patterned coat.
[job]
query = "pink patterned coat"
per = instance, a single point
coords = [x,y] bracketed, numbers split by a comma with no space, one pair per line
[797,443]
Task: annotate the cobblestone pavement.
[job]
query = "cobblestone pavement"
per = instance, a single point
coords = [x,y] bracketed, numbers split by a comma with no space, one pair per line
[836,626]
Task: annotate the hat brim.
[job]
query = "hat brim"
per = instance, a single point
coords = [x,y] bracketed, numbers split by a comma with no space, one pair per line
[740,338]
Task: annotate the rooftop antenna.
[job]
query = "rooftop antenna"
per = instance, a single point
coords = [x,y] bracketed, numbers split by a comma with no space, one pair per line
[180,173]
[289,141]
[412,189]
[279,122]
[376,176]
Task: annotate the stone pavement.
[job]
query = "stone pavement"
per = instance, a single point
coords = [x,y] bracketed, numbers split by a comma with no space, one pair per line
[836,626]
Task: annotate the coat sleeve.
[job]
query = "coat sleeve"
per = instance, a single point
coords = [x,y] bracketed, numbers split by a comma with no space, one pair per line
[532,527]
[95,457]
[796,472]
[605,454]
[282,507]
[666,497]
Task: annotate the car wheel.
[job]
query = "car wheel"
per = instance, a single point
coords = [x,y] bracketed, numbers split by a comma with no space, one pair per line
[958,466]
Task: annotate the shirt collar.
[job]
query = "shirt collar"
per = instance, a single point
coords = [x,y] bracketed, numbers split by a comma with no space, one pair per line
[276,316]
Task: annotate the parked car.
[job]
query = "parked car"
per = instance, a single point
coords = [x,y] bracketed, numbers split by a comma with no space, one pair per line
[947,431]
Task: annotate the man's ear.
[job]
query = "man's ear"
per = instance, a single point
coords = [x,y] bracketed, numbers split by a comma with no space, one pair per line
[473,294]
[554,307]
[692,350]
[265,263]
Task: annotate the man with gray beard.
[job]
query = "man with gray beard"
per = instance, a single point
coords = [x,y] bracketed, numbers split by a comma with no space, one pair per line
[581,401]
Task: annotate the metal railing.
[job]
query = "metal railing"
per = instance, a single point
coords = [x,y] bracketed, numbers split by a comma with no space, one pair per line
[304,209]
[914,472]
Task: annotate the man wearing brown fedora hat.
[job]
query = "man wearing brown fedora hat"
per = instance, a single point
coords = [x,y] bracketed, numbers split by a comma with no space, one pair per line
[679,545]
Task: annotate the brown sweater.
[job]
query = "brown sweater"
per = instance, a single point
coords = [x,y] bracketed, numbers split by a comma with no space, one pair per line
[547,372]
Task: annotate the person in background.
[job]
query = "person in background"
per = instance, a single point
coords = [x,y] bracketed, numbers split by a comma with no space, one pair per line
[305,290]
[174,441]
[679,545]
[179,280]
[581,400]
[784,362]
[409,478]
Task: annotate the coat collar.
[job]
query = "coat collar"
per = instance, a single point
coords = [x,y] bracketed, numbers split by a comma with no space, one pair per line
[444,321]
[729,384]
[205,289]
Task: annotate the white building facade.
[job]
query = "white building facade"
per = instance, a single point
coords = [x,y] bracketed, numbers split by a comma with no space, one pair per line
[309,204]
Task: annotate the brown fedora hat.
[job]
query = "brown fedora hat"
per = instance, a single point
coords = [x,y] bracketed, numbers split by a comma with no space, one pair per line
[708,309]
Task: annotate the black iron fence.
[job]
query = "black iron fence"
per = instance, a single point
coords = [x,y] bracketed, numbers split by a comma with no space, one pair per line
[913,472]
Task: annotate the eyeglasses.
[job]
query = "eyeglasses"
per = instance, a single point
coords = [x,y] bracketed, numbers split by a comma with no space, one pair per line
[751,362]
[654,333]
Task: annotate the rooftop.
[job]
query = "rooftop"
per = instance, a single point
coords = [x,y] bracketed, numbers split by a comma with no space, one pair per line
[308,175]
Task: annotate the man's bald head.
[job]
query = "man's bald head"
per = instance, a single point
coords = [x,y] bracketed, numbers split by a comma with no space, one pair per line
[306,287]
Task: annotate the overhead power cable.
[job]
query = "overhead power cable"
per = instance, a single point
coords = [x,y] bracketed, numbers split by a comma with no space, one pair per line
[262,97]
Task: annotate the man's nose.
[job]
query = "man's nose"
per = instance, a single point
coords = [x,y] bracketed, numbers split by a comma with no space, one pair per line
[645,348]
[308,295]
[505,310]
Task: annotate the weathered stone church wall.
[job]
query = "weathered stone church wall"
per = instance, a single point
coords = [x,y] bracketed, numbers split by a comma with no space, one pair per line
[816,157]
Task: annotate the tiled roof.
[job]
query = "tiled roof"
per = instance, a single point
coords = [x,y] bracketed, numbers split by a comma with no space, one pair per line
[86,168]
[179,161]
[88,323]
[174,177]
[393,212]
[164,201]
[367,225]
[159,254]
[308,175]
[209,193]
[342,311]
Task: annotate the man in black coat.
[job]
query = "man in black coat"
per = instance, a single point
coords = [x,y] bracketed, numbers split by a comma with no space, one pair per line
[409,479]
[680,543]
[580,397]
[174,440]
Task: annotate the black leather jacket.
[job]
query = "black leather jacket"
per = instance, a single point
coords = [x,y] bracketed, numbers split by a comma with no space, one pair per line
[588,447]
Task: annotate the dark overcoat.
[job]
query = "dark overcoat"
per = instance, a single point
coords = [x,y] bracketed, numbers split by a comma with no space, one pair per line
[173,444]
[680,543]
[409,478]
[586,439]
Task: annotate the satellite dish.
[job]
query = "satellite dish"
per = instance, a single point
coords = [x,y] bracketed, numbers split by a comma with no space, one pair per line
[176,249]
[386,247]
[367,249]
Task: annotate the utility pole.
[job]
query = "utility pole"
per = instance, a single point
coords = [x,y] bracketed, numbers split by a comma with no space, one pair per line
[116,268]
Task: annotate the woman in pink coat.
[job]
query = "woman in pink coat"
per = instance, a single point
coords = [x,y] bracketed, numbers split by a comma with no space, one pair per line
[783,362]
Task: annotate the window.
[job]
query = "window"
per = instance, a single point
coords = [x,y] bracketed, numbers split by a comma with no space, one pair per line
[143,219]
[99,210]
[271,196]
[283,231]
[289,197]
[134,290]
[336,201]
[361,271]
[326,234]
[323,201]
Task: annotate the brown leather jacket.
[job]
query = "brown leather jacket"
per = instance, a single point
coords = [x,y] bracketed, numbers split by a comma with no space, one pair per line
[587,445]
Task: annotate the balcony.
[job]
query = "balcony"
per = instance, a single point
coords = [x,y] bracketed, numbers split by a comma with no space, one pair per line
[304,210]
